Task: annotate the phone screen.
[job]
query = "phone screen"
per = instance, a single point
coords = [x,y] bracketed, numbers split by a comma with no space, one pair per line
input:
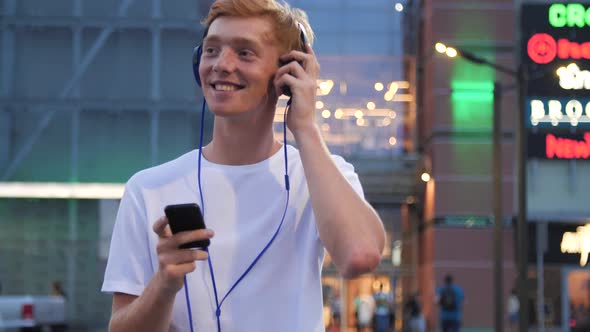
[186,217]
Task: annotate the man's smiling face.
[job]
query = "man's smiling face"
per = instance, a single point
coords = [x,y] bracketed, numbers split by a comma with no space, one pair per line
[239,61]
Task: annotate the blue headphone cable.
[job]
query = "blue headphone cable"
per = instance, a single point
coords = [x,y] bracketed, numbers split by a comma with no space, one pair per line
[287,188]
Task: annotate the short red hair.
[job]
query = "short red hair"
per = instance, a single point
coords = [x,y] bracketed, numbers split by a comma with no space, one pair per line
[283,17]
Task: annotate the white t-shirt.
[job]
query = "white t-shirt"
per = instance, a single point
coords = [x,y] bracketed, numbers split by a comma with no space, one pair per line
[244,206]
[365,306]
[513,304]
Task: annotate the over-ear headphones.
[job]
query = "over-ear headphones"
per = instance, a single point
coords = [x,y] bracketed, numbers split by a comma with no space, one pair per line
[303,36]
[198,51]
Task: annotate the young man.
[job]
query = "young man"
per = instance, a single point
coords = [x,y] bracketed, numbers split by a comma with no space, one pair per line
[244,196]
[450,299]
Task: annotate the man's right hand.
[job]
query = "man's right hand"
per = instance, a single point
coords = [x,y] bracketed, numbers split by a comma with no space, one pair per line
[175,263]
[152,310]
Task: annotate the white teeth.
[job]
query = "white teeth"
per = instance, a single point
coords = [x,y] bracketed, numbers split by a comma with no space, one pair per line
[225,87]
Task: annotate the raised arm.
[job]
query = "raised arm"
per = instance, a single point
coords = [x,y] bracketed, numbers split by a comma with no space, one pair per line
[349,227]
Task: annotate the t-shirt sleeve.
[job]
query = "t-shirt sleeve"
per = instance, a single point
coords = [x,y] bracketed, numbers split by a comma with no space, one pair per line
[347,169]
[129,266]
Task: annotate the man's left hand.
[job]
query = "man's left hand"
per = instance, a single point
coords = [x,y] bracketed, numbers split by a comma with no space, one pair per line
[300,74]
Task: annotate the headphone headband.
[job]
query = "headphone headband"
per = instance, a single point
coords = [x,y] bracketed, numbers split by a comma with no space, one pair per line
[303,35]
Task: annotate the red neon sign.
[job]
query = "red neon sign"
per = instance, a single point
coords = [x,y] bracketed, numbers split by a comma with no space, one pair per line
[571,50]
[542,48]
[565,148]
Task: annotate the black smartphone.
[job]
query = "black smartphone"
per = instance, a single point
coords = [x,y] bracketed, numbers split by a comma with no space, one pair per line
[186,217]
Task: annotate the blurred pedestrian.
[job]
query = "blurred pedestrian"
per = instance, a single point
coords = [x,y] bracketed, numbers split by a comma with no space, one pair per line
[336,306]
[364,308]
[57,290]
[413,314]
[513,308]
[450,300]
[383,310]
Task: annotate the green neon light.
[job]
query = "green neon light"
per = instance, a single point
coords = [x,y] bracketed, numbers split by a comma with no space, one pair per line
[570,15]
[476,96]
[472,103]
[472,110]
[472,95]
[476,86]
[473,91]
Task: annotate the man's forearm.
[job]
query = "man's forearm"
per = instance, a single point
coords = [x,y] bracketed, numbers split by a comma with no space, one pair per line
[152,311]
[349,227]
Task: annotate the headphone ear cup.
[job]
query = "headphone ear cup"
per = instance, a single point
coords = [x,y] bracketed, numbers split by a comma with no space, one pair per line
[197,52]
[303,38]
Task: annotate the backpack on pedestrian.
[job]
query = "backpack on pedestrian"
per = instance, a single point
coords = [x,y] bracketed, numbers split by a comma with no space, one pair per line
[448,299]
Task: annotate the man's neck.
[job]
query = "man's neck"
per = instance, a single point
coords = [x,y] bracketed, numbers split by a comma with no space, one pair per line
[241,143]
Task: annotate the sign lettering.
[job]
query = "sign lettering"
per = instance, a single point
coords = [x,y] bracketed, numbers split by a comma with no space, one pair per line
[572,78]
[555,57]
[577,243]
[553,112]
[542,48]
[566,148]
[570,15]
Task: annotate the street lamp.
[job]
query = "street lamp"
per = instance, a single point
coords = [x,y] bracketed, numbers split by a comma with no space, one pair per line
[497,179]
[457,52]
[451,52]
